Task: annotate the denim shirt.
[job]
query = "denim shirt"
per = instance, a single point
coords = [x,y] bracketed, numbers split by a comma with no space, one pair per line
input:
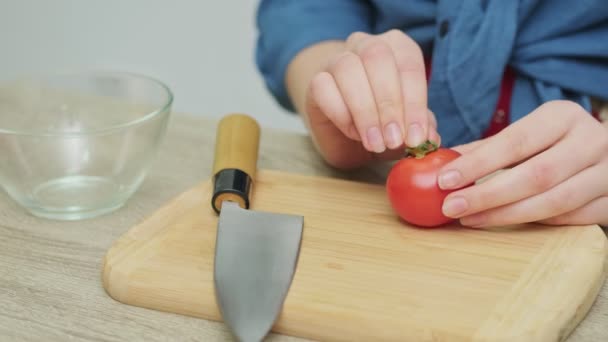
[557,48]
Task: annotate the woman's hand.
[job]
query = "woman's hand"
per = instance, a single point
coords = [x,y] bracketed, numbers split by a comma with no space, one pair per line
[559,173]
[366,99]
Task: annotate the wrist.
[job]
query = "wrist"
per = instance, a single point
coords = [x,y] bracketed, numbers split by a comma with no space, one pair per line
[304,66]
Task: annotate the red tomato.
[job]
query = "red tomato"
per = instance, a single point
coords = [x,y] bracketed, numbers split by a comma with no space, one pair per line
[413,190]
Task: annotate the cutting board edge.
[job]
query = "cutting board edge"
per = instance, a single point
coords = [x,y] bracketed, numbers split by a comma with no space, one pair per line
[583,310]
[126,244]
[593,293]
[571,315]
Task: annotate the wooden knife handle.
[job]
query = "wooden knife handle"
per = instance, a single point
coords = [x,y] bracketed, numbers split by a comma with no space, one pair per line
[235,160]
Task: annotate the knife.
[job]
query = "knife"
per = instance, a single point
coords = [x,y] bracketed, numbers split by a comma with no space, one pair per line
[256,252]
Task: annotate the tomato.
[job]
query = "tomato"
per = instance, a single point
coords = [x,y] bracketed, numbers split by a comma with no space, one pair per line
[412,186]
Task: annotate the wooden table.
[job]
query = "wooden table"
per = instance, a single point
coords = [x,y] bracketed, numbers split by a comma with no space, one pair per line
[50,285]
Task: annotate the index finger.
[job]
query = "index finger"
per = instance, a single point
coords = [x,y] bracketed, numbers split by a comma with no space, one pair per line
[412,72]
[513,144]
[468,147]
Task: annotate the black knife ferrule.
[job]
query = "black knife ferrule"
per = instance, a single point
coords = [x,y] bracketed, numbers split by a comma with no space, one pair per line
[231,181]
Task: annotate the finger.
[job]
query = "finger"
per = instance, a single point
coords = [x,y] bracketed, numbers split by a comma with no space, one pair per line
[337,150]
[351,79]
[468,147]
[433,134]
[431,118]
[513,144]
[326,94]
[594,212]
[355,39]
[388,155]
[381,69]
[539,174]
[567,196]
[410,64]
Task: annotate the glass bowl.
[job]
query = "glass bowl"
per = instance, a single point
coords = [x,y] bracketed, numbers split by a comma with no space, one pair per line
[78,145]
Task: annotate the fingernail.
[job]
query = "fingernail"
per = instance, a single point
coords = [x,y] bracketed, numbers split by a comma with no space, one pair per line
[374,139]
[454,206]
[449,179]
[414,135]
[392,134]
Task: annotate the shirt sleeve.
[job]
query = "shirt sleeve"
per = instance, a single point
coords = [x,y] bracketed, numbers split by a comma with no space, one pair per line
[285,27]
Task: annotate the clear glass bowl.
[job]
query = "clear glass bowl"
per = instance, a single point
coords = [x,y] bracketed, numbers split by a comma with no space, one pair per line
[75,146]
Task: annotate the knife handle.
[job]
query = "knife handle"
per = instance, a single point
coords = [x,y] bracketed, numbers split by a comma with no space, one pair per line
[235,160]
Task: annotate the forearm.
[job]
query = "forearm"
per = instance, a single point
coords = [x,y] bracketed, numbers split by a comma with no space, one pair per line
[296,39]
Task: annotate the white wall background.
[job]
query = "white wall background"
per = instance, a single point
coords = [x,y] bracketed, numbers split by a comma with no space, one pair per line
[203,49]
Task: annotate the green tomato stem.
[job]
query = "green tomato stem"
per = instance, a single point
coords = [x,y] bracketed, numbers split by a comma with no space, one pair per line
[421,150]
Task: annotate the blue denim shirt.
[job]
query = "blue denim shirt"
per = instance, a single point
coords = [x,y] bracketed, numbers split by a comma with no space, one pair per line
[558,49]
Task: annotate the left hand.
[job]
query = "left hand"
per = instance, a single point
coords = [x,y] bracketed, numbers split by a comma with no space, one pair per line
[555,163]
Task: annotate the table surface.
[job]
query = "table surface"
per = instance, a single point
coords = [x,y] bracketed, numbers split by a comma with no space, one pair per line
[50,271]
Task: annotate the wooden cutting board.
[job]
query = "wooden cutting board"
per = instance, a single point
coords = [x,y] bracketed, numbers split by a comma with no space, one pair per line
[363,275]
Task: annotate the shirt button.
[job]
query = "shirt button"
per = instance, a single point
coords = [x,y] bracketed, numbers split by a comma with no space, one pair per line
[444,27]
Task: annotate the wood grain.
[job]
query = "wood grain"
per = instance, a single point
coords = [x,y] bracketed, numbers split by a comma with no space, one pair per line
[364,275]
[50,284]
[237,144]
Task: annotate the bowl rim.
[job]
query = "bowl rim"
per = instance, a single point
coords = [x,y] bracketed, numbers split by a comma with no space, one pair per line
[165,107]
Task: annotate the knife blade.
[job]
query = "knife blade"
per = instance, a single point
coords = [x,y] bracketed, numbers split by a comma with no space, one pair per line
[256,252]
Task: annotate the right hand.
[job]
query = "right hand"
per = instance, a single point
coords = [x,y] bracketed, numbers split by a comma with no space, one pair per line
[373,92]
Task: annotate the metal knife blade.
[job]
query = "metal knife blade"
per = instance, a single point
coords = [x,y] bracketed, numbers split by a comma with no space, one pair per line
[255,261]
